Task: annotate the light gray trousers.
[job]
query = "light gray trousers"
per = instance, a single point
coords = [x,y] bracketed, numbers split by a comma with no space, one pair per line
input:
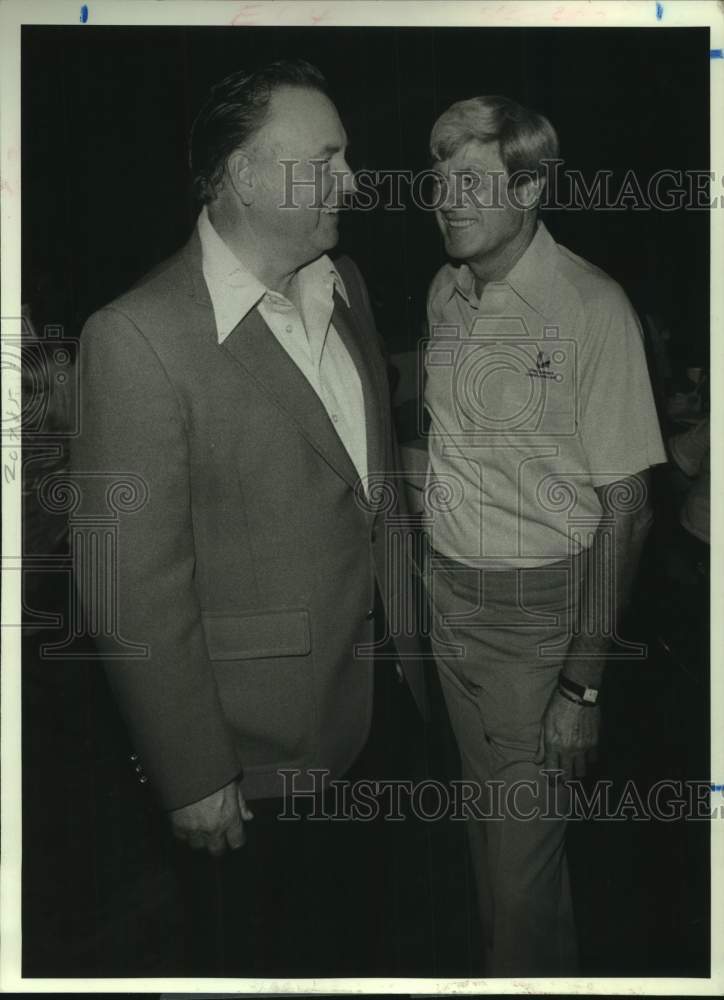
[490,630]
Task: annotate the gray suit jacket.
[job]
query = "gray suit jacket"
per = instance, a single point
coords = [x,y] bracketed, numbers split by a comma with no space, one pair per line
[249,572]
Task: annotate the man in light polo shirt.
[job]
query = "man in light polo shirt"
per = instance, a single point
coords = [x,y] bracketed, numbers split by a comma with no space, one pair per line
[542,432]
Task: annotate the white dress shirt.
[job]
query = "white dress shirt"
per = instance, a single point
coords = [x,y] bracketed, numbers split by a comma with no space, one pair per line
[309,339]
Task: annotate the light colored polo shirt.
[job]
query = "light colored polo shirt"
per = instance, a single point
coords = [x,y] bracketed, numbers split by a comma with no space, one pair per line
[538,392]
[309,338]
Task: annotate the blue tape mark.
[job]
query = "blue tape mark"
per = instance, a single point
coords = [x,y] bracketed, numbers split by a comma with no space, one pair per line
[659,11]
[716,788]
[716,53]
[84,13]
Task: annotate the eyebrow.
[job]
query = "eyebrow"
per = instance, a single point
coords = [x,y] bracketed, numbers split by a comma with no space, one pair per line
[466,167]
[325,150]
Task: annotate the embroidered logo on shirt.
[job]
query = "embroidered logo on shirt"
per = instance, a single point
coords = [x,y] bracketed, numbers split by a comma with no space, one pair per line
[543,368]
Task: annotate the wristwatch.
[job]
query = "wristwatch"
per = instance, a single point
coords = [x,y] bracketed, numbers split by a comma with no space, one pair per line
[587,695]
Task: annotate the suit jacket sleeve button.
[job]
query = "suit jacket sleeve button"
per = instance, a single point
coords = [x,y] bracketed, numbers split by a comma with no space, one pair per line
[370,614]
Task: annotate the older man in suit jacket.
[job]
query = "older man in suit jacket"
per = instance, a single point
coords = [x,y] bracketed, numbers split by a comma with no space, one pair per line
[243,382]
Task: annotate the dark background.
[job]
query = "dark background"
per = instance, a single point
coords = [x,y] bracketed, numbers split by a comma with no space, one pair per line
[106,195]
[106,114]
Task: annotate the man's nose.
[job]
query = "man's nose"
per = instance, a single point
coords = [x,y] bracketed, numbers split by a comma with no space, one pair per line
[347,184]
[461,189]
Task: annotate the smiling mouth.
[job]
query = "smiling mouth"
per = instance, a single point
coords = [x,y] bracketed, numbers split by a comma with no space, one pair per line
[459,223]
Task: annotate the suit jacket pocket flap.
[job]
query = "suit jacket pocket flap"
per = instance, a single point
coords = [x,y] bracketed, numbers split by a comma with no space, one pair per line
[252,635]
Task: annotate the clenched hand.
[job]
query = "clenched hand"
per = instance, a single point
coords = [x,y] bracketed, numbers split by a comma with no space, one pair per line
[214,823]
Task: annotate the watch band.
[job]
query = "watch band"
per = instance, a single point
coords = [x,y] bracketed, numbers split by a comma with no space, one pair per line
[569,697]
[588,695]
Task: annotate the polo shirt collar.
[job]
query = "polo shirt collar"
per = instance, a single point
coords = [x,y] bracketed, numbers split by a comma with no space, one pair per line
[531,277]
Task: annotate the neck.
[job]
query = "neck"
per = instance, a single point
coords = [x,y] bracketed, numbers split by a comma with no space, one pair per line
[260,260]
[495,266]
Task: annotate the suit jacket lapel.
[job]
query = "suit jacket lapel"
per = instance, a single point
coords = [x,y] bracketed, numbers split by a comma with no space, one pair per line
[254,347]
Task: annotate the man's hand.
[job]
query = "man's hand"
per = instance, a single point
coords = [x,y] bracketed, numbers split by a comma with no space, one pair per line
[213,823]
[569,734]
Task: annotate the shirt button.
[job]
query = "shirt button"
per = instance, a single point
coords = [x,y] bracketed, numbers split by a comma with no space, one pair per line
[335,417]
[289,329]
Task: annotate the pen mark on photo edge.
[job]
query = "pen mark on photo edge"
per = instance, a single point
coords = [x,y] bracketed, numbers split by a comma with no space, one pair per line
[246,15]
[84,13]
[659,11]
[716,54]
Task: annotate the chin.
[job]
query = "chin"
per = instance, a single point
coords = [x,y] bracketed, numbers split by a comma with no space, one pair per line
[467,251]
[329,243]
[458,252]
[328,235]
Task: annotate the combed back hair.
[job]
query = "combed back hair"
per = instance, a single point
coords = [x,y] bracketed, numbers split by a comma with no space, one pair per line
[233,113]
[525,138]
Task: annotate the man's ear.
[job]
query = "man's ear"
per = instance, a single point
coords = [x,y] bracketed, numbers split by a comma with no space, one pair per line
[531,192]
[240,172]
[525,190]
